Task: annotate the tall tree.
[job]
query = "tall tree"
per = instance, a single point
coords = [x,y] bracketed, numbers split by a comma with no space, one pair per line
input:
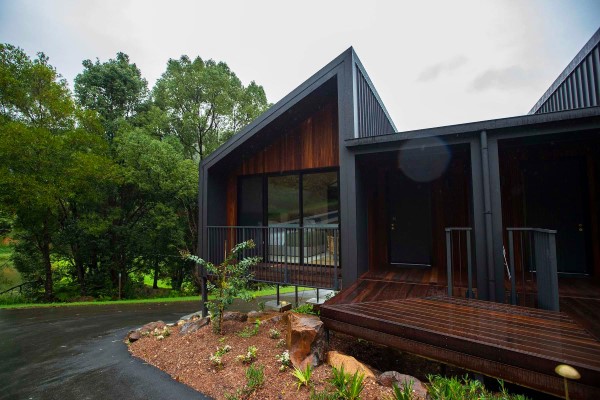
[115,89]
[206,103]
[42,144]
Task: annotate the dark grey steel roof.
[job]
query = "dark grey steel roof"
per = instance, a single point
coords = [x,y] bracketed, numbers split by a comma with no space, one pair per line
[471,127]
[578,85]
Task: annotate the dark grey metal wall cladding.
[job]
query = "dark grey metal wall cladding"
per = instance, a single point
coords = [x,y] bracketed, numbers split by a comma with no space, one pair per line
[372,119]
[579,84]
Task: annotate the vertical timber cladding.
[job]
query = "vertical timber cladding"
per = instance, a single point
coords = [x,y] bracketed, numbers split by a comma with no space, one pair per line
[311,143]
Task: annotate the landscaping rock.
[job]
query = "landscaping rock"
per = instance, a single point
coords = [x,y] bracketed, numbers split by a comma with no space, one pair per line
[189,317]
[235,316]
[132,336]
[305,338]
[351,364]
[390,377]
[149,327]
[194,325]
[252,315]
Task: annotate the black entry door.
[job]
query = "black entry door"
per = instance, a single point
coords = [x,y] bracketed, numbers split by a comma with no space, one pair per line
[409,213]
[555,198]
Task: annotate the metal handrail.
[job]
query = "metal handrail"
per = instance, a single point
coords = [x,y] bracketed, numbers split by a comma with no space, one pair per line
[291,254]
[449,240]
[540,244]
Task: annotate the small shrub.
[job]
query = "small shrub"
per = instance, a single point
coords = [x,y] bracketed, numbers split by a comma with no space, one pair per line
[261,306]
[274,333]
[250,355]
[404,393]
[441,388]
[305,309]
[249,332]
[255,376]
[284,359]
[160,334]
[216,359]
[281,343]
[302,376]
[348,387]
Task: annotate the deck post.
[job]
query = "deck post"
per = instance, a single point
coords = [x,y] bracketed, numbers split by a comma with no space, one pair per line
[469,266]
[513,279]
[296,295]
[449,260]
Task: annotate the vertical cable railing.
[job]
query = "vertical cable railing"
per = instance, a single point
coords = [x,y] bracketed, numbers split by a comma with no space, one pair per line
[459,259]
[533,267]
[290,255]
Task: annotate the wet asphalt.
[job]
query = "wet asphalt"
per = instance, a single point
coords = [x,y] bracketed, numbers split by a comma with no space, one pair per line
[69,353]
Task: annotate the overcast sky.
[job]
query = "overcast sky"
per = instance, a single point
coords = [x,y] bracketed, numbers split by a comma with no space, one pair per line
[433,62]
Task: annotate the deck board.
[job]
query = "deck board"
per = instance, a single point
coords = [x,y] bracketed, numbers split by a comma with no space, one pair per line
[490,338]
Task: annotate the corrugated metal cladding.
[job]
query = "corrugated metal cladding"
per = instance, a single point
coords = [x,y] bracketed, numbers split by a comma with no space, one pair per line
[579,90]
[372,119]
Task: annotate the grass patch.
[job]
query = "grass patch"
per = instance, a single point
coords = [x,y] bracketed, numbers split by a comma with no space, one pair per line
[258,293]
[162,283]
[9,276]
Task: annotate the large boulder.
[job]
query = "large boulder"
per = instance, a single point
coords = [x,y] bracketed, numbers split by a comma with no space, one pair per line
[193,325]
[305,339]
[235,316]
[390,378]
[351,365]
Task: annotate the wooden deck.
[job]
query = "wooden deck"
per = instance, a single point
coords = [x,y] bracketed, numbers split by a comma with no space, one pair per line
[518,344]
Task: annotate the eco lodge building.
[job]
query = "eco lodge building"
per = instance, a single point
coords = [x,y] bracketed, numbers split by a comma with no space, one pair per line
[476,245]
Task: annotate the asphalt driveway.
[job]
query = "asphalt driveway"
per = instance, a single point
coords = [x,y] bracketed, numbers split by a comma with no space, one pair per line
[78,353]
[68,353]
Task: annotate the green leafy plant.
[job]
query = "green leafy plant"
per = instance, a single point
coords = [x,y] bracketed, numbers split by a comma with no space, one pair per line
[249,332]
[216,359]
[324,395]
[284,359]
[274,333]
[305,309]
[453,388]
[230,280]
[255,376]
[261,306]
[348,387]
[302,376]
[405,392]
[250,355]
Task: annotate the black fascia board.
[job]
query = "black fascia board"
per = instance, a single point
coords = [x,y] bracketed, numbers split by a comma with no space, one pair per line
[471,127]
[372,87]
[573,64]
[283,105]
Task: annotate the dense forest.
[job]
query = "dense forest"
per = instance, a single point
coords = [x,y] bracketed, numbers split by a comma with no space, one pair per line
[102,181]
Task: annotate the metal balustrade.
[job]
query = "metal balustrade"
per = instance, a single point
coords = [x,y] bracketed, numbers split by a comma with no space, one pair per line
[290,254]
[459,258]
[533,266]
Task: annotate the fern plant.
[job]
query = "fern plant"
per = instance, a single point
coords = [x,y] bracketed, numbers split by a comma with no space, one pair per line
[230,280]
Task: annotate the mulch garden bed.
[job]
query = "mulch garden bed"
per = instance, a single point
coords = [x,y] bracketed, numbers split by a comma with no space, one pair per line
[186,359]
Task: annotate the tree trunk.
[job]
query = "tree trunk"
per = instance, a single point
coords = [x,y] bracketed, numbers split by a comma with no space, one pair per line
[48,284]
[156,269]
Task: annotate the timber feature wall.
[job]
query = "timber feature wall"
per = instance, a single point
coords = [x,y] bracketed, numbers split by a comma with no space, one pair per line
[309,144]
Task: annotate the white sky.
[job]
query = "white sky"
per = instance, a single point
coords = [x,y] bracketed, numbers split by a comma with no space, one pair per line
[433,62]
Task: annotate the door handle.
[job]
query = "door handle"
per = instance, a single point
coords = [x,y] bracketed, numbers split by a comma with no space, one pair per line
[580,226]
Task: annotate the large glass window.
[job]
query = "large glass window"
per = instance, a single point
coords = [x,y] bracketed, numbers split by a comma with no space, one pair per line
[320,199]
[250,211]
[283,194]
